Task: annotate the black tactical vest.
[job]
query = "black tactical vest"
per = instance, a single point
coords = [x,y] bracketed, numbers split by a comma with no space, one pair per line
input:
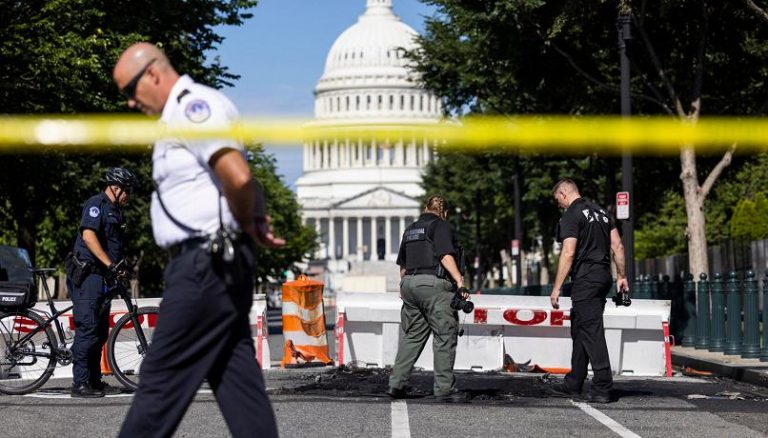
[419,249]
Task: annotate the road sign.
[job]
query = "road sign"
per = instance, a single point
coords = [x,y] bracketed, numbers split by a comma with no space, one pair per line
[622,205]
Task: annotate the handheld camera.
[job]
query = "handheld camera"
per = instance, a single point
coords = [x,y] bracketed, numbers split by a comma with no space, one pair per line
[622,298]
[459,303]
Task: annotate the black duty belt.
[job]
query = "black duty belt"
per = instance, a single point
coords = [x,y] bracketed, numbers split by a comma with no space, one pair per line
[200,242]
[421,271]
[177,249]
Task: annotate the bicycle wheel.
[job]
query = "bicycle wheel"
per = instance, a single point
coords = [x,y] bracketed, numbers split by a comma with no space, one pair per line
[27,352]
[124,350]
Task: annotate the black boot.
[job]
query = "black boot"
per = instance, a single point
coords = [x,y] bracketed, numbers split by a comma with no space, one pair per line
[85,391]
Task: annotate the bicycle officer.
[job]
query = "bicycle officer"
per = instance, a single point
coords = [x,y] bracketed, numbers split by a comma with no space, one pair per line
[97,254]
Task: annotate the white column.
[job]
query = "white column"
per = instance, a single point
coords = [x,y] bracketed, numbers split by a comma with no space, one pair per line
[326,156]
[335,154]
[317,231]
[399,153]
[387,237]
[387,155]
[402,228]
[373,239]
[360,238]
[360,153]
[331,237]
[317,155]
[347,154]
[345,237]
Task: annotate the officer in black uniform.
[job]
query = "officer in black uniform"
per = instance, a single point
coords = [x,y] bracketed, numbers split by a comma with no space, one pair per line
[99,249]
[588,238]
[430,276]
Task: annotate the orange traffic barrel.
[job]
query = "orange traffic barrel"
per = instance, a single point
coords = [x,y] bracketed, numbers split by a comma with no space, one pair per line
[304,324]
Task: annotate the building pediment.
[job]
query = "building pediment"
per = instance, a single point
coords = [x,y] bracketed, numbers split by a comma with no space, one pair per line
[379,197]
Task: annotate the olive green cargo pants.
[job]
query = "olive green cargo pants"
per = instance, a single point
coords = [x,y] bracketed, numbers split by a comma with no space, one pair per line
[426,309]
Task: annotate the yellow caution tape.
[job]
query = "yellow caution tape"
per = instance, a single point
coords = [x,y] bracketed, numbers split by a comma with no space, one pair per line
[558,134]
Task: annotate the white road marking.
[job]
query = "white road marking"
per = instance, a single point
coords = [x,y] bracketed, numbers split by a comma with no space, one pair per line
[606,420]
[400,426]
[65,395]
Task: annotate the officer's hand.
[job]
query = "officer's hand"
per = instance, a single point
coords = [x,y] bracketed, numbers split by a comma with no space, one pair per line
[118,270]
[464,293]
[622,285]
[553,297]
[261,232]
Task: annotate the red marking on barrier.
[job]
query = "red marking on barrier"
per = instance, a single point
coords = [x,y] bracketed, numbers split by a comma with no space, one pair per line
[340,338]
[539,316]
[556,318]
[481,316]
[23,325]
[667,348]
[259,337]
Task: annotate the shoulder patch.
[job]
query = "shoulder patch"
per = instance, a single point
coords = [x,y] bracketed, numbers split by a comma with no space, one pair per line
[94,212]
[197,111]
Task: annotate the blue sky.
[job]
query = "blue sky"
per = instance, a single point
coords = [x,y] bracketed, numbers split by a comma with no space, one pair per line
[280,54]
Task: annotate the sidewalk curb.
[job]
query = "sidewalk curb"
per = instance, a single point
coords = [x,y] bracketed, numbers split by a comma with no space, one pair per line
[742,373]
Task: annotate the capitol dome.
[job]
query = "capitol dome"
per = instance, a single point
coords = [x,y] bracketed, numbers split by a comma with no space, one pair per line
[358,193]
[366,72]
[376,41]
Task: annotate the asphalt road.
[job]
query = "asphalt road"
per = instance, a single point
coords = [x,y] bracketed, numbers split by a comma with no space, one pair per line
[325,402]
[331,403]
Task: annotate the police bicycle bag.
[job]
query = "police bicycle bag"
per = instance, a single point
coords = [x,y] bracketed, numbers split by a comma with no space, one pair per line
[17,285]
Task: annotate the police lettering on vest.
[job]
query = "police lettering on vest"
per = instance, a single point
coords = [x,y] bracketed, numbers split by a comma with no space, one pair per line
[591,226]
[424,243]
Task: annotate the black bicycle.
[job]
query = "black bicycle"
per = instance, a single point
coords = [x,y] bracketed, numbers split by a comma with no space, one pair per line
[34,341]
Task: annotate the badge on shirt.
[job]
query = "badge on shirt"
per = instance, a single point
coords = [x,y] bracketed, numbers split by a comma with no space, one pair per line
[197,111]
[94,212]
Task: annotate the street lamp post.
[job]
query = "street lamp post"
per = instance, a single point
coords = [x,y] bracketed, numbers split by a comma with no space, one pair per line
[624,26]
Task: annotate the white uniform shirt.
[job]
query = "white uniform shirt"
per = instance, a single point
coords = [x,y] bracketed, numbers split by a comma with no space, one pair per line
[186,182]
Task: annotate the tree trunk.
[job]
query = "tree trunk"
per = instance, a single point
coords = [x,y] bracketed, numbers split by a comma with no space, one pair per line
[694,208]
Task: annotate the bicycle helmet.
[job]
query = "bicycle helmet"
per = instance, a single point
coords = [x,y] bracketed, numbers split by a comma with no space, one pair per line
[123,178]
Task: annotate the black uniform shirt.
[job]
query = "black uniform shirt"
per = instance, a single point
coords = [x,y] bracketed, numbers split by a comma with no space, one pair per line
[106,220]
[591,226]
[439,232]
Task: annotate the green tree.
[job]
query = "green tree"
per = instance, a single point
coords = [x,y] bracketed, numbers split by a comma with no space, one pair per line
[57,57]
[536,56]
[283,208]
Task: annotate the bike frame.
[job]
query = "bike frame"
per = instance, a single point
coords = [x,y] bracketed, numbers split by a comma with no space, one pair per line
[54,315]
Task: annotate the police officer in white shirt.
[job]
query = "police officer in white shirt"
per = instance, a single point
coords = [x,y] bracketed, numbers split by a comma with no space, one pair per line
[208,211]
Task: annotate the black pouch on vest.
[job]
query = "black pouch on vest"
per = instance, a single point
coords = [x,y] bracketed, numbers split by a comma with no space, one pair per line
[77,270]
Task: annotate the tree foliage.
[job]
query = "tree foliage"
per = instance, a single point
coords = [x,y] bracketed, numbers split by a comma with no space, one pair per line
[544,57]
[56,56]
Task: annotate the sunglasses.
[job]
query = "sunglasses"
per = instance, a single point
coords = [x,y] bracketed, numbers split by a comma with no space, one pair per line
[129,90]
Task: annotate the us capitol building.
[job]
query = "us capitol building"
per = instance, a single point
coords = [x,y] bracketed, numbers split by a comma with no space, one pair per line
[358,193]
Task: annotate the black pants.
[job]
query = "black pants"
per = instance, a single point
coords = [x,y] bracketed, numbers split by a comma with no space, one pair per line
[203,332]
[91,315]
[588,335]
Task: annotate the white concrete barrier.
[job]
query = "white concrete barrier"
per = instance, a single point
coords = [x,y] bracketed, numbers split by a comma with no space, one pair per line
[258,320]
[524,327]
